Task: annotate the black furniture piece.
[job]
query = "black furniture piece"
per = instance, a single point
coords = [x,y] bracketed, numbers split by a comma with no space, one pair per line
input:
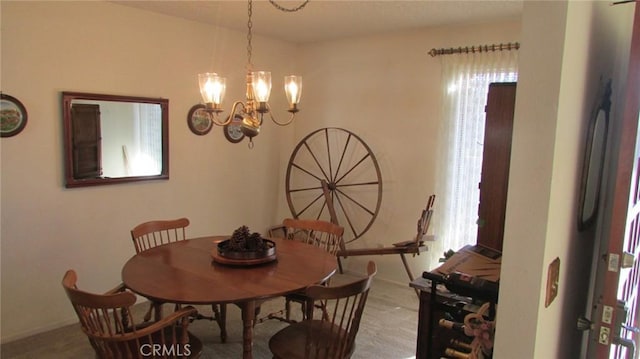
[449,298]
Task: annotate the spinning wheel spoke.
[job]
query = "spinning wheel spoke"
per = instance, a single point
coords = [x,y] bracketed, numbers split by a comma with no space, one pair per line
[349,177]
[344,151]
[355,202]
[321,211]
[316,160]
[308,206]
[326,137]
[352,168]
[357,232]
[357,184]
[305,171]
[306,189]
[351,226]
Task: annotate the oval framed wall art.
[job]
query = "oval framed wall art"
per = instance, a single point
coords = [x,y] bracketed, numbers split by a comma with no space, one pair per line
[13,116]
[199,120]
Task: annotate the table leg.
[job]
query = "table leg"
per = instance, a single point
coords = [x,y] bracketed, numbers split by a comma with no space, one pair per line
[157,309]
[248,318]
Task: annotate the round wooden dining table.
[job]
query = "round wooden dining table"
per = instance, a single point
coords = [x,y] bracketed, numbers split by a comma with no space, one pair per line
[185,272]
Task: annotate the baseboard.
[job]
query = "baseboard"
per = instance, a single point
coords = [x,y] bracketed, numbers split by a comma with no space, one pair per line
[395,282]
[381,279]
[46,328]
[36,331]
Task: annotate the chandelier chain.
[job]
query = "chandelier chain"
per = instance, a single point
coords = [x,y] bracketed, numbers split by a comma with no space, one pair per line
[282,8]
[250,24]
[249,35]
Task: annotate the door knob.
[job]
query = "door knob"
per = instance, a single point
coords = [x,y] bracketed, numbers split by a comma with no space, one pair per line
[584,324]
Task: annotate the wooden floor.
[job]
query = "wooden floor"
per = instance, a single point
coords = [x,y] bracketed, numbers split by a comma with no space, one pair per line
[388,331]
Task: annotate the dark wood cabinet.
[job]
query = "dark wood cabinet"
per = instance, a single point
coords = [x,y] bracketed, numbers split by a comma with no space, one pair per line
[467,283]
[87,145]
[433,340]
[494,180]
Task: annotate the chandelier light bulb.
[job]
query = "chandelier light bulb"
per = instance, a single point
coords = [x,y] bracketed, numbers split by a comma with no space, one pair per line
[293,89]
[212,88]
[261,85]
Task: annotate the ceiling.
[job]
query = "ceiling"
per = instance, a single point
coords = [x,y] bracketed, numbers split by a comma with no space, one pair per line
[322,20]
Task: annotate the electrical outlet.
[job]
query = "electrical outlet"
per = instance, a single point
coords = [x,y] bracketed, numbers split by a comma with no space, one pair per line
[553,276]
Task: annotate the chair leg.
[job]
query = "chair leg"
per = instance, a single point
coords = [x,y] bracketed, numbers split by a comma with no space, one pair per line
[304,307]
[307,309]
[147,315]
[220,314]
[287,310]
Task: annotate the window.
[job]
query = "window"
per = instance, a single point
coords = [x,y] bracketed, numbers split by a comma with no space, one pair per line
[147,160]
[466,79]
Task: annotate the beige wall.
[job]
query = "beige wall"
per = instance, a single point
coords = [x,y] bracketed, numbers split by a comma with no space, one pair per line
[101,47]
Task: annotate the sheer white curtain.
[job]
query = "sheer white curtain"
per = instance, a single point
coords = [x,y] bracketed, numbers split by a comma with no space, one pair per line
[465,83]
[147,156]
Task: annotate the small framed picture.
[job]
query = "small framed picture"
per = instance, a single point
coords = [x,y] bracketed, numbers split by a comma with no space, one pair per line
[233,130]
[199,120]
[13,116]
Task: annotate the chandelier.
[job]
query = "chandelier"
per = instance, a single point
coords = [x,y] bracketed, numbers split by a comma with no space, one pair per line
[256,105]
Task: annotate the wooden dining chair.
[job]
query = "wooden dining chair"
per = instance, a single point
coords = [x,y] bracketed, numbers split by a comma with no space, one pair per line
[113,333]
[155,233]
[333,335]
[319,233]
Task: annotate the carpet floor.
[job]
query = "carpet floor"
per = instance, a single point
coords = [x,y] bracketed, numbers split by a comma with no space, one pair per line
[388,330]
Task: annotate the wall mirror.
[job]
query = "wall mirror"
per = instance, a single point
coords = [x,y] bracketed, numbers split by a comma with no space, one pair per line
[114,139]
[594,159]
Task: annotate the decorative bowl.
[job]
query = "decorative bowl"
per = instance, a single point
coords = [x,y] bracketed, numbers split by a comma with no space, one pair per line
[222,254]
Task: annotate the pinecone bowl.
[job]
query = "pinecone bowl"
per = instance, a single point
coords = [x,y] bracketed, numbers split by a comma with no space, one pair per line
[245,248]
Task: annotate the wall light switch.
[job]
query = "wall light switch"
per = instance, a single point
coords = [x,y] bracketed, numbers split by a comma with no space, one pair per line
[553,276]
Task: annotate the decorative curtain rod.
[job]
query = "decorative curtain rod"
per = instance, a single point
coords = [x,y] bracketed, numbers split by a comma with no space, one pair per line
[474,49]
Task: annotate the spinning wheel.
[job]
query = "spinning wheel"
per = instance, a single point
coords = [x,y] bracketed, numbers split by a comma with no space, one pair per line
[334,176]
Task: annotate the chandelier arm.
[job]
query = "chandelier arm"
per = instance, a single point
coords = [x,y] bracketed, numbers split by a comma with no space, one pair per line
[293,115]
[216,121]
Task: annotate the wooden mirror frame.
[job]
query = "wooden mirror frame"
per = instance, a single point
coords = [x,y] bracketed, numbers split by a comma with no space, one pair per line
[594,160]
[70,179]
